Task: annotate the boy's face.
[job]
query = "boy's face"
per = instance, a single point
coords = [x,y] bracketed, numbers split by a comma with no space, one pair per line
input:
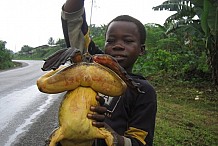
[123,43]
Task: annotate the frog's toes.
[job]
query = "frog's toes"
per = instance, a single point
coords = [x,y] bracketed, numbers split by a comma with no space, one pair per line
[47,142]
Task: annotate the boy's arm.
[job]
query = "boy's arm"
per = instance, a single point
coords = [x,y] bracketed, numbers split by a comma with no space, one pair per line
[73,5]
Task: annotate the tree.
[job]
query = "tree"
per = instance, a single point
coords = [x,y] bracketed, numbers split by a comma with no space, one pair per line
[2,45]
[51,41]
[26,49]
[96,31]
[5,56]
[98,35]
[198,18]
[155,32]
[61,43]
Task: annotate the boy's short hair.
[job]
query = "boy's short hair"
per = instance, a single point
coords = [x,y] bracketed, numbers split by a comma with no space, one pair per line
[140,26]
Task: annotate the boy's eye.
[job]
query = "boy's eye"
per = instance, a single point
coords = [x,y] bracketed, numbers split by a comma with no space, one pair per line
[129,40]
[110,40]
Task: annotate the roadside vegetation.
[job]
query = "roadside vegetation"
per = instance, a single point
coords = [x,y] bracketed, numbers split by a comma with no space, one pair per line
[181,63]
[28,53]
[187,113]
[5,57]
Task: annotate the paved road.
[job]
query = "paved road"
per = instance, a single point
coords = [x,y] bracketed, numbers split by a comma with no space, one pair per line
[27,115]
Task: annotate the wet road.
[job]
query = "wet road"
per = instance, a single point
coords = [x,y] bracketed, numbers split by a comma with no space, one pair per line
[27,115]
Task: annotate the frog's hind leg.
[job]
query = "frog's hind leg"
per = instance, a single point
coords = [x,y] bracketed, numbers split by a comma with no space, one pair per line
[55,137]
[105,134]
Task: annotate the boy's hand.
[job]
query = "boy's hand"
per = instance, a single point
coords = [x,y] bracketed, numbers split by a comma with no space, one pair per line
[99,118]
[99,115]
[73,5]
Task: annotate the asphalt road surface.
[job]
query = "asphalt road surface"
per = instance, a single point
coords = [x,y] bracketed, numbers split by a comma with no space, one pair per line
[27,115]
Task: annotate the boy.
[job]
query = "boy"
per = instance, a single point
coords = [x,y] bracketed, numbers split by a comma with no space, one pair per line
[132,116]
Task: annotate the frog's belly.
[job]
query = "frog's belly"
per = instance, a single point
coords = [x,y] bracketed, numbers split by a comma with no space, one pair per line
[73,114]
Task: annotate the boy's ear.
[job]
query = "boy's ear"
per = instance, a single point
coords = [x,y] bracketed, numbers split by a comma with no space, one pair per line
[142,51]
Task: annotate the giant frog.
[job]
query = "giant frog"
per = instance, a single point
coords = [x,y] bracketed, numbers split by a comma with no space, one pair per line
[83,80]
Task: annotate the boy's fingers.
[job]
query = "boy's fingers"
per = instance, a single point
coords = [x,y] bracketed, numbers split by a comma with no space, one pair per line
[96,117]
[99,109]
[98,124]
[100,99]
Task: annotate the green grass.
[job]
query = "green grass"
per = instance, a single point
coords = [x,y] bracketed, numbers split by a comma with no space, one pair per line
[187,114]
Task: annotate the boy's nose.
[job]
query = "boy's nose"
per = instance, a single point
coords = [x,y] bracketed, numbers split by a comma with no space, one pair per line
[118,47]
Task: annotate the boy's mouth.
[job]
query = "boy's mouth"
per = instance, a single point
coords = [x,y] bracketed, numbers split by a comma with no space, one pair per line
[119,57]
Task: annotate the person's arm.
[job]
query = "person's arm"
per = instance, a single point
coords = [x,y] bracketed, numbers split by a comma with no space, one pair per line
[75,27]
[141,125]
[143,115]
[73,5]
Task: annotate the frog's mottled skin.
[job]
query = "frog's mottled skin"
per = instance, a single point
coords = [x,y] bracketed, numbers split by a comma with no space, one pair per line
[82,81]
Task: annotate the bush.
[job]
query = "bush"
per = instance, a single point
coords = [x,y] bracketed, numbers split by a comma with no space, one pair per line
[5,59]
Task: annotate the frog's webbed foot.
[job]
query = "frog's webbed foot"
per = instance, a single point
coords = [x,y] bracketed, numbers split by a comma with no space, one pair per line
[48,140]
[54,138]
[61,57]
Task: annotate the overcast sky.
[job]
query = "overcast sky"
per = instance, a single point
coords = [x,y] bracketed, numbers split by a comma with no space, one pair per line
[33,22]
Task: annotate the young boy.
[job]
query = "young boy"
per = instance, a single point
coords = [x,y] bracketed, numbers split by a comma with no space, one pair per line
[132,116]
